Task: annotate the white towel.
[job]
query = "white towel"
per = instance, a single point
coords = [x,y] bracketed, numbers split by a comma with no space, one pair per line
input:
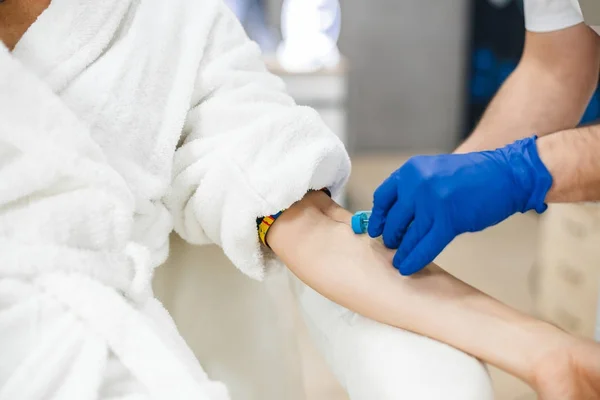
[122,119]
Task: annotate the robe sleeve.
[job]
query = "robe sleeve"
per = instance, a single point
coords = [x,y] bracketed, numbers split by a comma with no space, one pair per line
[247,150]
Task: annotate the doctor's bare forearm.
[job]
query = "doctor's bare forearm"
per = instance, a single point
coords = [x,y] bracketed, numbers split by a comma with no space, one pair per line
[315,242]
[572,157]
[547,92]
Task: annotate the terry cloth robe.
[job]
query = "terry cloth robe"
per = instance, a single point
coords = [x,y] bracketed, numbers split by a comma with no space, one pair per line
[121,120]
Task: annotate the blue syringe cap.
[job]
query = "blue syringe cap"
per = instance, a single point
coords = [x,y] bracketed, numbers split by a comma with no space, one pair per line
[360,222]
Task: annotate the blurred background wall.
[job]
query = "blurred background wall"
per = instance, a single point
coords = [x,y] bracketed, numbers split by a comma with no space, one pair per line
[421,72]
[406,72]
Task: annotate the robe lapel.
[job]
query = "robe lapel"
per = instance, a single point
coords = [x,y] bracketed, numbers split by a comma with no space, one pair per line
[68,36]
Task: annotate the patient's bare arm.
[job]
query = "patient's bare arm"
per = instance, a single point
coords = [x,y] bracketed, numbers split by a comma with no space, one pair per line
[314,240]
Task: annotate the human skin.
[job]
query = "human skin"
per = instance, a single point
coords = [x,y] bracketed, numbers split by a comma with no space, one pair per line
[547,95]
[314,239]
[548,91]
[16,16]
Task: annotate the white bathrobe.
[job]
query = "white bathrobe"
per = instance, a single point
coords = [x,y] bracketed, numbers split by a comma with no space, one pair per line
[121,120]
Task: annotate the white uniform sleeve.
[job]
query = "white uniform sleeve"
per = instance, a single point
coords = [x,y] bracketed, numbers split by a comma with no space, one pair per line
[248,150]
[551,15]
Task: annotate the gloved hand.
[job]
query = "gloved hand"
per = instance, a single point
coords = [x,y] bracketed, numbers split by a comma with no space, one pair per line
[430,200]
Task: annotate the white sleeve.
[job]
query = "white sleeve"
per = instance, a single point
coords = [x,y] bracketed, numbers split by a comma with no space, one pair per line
[551,15]
[248,151]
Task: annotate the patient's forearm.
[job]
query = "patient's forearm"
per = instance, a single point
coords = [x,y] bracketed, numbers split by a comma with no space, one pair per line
[356,272]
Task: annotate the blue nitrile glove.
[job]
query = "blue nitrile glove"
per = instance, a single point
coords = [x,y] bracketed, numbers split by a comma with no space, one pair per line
[430,200]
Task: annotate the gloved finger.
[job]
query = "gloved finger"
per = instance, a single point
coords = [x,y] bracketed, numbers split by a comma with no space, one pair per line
[396,223]
[420,227]
[383,199]
[423,253]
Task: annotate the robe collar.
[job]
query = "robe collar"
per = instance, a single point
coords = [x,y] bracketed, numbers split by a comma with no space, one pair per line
[68,36]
